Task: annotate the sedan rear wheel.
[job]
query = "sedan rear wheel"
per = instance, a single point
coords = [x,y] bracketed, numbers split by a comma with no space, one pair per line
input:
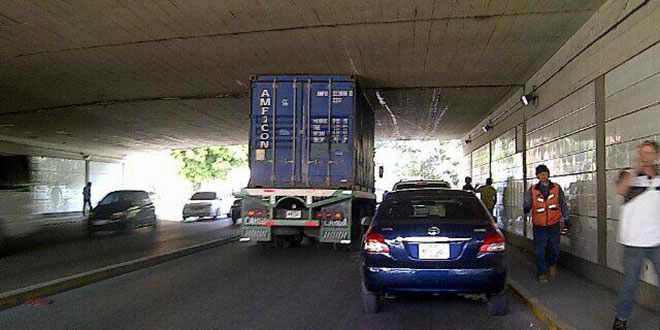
[128,226]
[498,304]
[3,244]
[371,302]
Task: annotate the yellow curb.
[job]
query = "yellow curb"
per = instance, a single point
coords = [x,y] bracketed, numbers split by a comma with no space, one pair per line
[544,314]
[17,297]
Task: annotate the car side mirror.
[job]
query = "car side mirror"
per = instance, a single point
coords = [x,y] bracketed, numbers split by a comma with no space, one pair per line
[366,221]
[381,171]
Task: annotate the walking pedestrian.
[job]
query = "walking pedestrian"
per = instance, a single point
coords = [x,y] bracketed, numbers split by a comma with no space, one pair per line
[547,203]
[87,197]
[488,195]
[639,225]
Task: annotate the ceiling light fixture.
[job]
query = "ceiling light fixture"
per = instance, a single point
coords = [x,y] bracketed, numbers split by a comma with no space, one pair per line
[468,140]
[529,98]
[487,128]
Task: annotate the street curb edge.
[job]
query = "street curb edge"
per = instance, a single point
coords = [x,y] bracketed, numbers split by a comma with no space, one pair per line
[544,314]
[19,296]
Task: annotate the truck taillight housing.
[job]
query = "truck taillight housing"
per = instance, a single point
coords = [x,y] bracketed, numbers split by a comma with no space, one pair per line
[494,242]
[339,216]
[250,213]
[261,214]
[375,243]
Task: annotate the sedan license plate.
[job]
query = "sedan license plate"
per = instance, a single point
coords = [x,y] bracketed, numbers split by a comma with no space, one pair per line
[297,214]
[434,251]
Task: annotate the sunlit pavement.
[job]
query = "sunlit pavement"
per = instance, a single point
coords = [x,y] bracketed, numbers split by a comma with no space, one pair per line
[242,286]
[67,250]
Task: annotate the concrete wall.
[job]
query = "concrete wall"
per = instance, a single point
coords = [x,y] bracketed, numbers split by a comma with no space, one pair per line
[50,188]
[598,99]
[105,177]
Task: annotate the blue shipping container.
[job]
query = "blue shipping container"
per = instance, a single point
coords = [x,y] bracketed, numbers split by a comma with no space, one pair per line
[310,131]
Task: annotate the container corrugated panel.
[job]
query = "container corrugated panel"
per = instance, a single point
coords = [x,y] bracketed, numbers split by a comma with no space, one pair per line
[310,131]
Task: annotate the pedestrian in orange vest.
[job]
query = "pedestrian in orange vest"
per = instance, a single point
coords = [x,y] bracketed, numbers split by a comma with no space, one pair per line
[547,204]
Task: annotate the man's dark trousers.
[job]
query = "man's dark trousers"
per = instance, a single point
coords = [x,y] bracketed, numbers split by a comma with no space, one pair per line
[546,245]
[85,203]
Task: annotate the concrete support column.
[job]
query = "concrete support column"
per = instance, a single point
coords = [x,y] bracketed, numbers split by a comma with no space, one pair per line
[601,175]
[524,161]
[87,174]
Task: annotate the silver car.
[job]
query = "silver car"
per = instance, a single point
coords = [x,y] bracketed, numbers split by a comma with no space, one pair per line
[203,205]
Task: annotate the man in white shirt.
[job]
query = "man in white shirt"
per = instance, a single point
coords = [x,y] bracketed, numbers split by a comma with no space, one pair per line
[639,226]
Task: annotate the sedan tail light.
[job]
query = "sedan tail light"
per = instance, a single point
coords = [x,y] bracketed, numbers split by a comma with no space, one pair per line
[375,243]
[494,242]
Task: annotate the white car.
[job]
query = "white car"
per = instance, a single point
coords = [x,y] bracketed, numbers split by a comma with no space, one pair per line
[203,205]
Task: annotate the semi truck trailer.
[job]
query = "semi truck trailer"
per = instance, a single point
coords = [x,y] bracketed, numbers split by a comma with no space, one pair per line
[311,156]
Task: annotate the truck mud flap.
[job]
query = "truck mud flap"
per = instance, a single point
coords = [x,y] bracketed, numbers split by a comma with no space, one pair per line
[335,235]
[256,233]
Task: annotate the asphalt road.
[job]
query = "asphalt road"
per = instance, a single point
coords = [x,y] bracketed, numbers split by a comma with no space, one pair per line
[67,250]
[239,286]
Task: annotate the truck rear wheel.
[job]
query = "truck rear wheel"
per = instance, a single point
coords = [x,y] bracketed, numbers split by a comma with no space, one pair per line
[283,242]
[356,227]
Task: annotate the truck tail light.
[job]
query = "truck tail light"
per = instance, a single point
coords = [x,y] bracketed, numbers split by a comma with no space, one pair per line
[375,243]
[250,213]
[328,216]
[261,214]
[338,216]
[494,242]
[319,216]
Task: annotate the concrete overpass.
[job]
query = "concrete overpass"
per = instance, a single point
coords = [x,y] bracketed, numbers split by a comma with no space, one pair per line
[108,77]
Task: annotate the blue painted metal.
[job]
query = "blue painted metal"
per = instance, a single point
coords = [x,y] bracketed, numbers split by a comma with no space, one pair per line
[310,131]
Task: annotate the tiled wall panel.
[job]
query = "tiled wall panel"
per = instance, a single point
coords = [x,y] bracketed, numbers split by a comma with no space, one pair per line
[632,72]
[583,239]
[572,114]
[633,126]
[507,168]
[481,164]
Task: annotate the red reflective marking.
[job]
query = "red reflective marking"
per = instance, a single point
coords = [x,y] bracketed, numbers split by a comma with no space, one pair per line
[270,190]
[40,301]
[311,224]
[270,223]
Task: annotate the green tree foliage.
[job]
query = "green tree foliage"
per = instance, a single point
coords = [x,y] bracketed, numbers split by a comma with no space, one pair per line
[208,163]
[433,165]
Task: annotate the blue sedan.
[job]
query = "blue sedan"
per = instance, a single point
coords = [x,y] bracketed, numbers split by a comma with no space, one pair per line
[433,241]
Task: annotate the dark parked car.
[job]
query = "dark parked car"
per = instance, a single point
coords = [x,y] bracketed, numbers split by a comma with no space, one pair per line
[433,241]
[235,210]
[203,205]
[122,210]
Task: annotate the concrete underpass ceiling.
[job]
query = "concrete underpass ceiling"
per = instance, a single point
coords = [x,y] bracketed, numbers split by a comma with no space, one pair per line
[110,77]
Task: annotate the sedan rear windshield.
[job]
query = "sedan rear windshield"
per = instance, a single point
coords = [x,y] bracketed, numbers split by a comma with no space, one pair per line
[203,196]
[421,185]
[132,197]
[423,209]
